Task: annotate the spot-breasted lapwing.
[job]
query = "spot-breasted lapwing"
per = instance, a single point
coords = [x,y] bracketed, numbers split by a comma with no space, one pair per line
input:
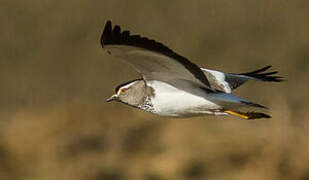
[171,85]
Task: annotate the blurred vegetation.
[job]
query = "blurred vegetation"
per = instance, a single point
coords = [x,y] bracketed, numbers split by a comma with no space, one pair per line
[55,123]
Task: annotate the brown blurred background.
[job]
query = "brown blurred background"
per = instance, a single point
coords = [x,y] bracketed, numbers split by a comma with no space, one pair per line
[55,123]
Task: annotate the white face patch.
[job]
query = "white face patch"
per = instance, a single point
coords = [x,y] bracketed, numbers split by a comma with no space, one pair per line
[128,85]
[121,89]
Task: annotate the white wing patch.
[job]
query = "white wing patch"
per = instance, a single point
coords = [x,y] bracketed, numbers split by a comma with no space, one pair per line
[217,80]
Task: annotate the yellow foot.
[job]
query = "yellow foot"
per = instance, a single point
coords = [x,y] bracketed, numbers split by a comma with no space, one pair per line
[248,115]
[238,114]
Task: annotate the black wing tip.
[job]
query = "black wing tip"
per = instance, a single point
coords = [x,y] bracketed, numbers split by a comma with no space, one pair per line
[266,76]
[106,32]
[108,24]
[110,34]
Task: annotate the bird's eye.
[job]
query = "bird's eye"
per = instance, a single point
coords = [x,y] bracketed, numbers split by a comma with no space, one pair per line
[124,90]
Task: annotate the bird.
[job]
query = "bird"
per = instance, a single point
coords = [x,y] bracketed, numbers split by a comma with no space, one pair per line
[171,85]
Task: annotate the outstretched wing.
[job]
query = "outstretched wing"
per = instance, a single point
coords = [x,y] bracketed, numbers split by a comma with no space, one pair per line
[226,82]
[151,59]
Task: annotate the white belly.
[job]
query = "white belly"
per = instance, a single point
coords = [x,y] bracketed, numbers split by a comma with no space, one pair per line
[170,101]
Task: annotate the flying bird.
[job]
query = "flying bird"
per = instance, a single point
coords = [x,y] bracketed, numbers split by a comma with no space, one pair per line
[171,85]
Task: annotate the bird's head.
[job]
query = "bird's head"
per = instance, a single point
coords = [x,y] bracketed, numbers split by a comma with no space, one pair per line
[131,93]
